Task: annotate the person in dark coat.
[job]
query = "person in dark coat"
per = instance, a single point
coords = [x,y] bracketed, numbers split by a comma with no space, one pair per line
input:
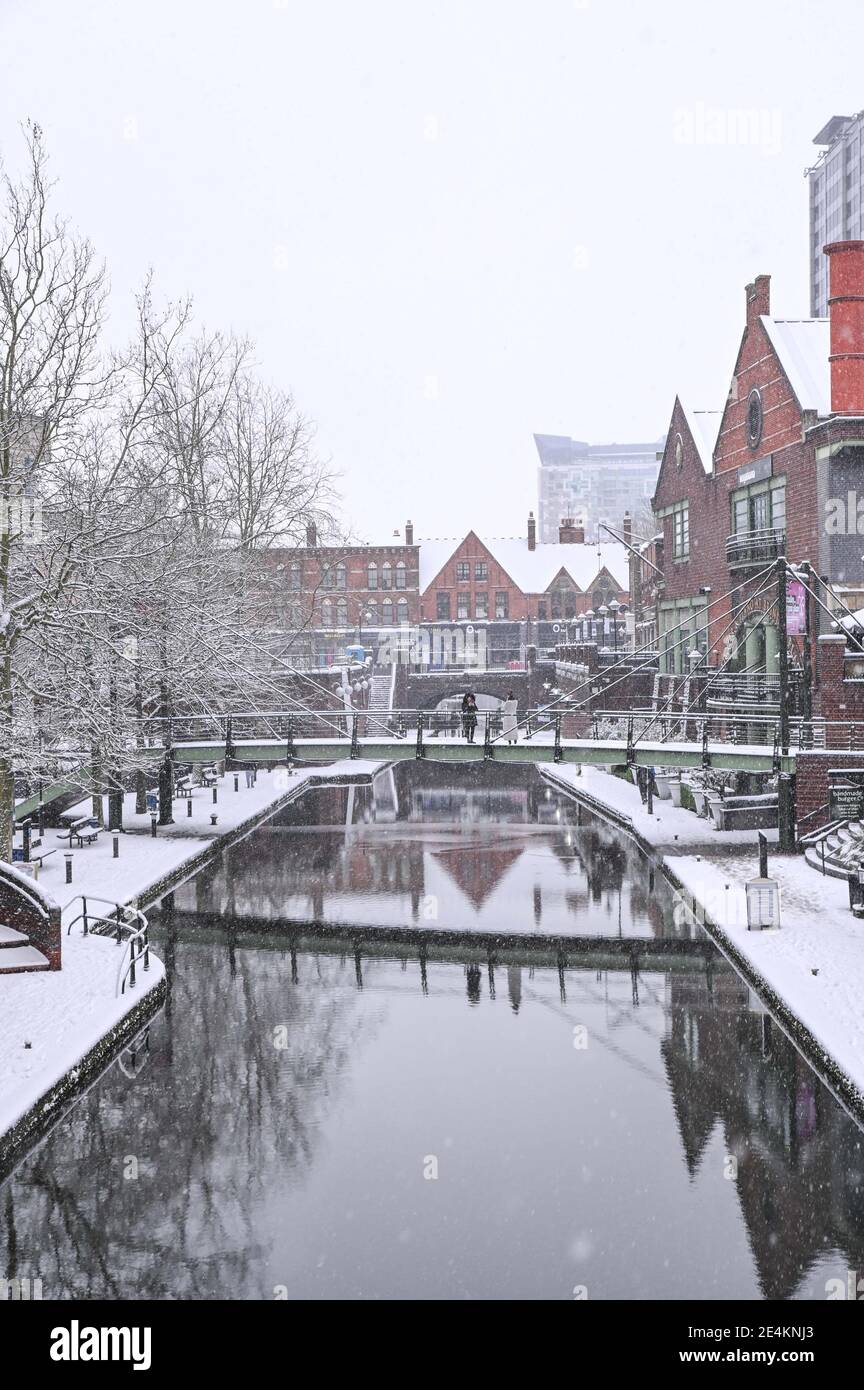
[469,715]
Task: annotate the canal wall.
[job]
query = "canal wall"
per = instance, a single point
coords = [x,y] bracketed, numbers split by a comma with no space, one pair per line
[808,975]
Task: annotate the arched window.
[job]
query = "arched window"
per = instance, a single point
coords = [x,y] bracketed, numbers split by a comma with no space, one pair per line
[372,575]
[401,575]
[386,575]
[387,612]
[402,607]
[341,576]
[341,613]
[296,574]
[326,613]
[371,613]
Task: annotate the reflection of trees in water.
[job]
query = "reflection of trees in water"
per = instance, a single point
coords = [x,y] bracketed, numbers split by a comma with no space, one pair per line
[226,1125]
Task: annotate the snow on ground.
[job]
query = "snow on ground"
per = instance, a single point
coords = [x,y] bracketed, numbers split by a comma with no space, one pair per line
[669,826]
[50,1020]
[814,963]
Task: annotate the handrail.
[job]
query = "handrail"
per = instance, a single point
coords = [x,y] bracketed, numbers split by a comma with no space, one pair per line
[127,921]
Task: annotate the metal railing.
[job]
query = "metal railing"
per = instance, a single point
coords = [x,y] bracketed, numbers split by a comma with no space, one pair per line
[757,547]
[125,923]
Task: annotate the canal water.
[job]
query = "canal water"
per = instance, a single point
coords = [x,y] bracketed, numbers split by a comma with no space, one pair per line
[351,1093]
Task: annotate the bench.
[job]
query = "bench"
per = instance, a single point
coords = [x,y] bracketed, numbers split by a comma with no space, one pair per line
[209,776]
[85,830]
[183,787]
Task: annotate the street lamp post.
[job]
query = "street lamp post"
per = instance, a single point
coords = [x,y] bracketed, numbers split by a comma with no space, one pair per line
[614,608]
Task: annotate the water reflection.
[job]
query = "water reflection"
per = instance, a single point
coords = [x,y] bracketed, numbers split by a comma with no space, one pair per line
[646,1133]
[420,847]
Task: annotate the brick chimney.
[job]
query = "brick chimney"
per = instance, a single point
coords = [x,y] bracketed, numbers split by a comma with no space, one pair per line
[758,298]
[409,532]
[311,534]
[628,528]
[532,532]
[846,316]
[569,533]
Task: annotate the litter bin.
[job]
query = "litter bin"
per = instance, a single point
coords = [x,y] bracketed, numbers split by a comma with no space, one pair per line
[855,879]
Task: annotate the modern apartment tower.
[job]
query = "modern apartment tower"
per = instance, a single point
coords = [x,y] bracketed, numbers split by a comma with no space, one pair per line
[593,483]
[835,199]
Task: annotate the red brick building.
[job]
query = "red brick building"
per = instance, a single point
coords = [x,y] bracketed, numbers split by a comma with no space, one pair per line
[520,591]
[767,476]
[334,595]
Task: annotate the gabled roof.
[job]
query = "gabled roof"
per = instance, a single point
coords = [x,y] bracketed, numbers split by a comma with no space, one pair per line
[703,426]
[802,346]
[533,571]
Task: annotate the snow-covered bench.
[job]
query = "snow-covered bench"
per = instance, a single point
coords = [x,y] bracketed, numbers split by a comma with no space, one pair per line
[86,830]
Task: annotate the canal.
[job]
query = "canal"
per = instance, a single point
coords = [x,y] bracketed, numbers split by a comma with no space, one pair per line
[357,1090]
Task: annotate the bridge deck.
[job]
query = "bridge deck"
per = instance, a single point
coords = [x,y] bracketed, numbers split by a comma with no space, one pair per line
[539,749]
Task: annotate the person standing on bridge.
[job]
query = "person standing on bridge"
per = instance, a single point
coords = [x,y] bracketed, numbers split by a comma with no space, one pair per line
[509,711]
[469,715]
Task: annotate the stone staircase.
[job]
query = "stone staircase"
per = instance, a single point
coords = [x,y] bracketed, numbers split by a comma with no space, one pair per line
[17,955]
[379,693]
[843,848]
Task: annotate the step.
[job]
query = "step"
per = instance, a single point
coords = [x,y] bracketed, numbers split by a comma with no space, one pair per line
[10,937]
[21,958]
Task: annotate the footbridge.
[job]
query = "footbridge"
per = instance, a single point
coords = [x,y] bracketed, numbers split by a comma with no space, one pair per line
[749,745]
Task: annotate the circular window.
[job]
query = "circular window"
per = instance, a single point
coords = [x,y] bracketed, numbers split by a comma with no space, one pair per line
[679,451]
[754,419]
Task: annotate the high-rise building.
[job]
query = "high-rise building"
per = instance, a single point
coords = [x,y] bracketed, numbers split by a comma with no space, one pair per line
[836,209]
[593,483]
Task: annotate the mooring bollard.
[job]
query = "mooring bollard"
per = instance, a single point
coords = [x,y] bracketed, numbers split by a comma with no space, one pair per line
[188,806]
[214,795]
[116,849]
[236,782]
[213,818]
[67,855]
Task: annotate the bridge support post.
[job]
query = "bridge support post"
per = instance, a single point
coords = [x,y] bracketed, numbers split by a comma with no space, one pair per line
[559,751]
[631,751]
[488,750]
[419,753]
[355,742]
[706,756]
[290,750]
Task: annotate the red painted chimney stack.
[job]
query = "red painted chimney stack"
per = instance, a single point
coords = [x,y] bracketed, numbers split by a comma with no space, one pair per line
[846,315]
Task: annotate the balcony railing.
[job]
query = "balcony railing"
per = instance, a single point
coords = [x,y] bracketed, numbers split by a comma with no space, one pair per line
[746,548]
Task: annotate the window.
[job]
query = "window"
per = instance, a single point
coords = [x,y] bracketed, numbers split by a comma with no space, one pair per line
[401,575]
[386,575]
[296,575]
[329,578]
[541,612]
[502,603]
[371,613]
[326,613]
[481,570]
[341,613]
[402,607]
[481,605]
[681,531]
[372,575]
[387,612]
[462,603]
[761,507]
[463,572]
[341,576]
[442,607]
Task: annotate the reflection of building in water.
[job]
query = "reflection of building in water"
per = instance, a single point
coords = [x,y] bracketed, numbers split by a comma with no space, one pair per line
[478,867]
[795,1148]
[456,804]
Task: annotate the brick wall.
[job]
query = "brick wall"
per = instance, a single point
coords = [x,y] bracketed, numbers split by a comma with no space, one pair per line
[811,784]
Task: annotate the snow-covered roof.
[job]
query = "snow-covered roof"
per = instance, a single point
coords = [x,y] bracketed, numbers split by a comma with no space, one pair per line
[802,346]
[532,571]
[703,426]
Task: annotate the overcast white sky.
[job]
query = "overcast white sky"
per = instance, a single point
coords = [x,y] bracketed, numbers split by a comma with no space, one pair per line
[446,225]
